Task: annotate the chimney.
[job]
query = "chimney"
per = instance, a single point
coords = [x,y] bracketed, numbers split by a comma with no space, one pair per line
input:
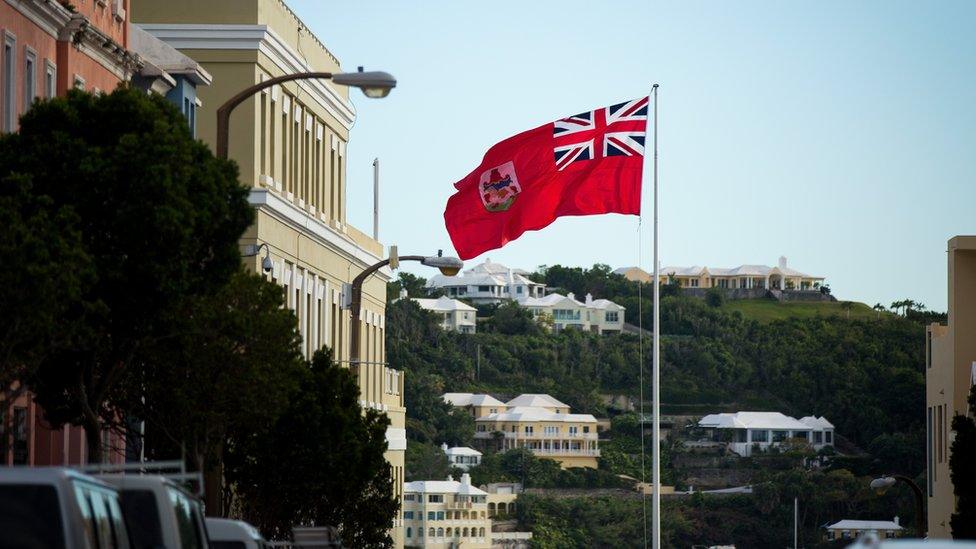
[782,262]
[571,295]
[466,481]
[444,446]
[589,299]
[897,521]
[403,293]
[450,478]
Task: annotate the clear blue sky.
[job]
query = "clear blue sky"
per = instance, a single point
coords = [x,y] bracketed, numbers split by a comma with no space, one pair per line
[839,134]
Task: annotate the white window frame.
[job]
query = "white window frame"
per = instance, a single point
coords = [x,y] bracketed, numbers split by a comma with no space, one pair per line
[30,77]
[50,79]
[78,83]
[8,66]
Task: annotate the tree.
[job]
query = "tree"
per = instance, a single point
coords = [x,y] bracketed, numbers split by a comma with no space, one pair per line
[879,307]
[414,285]
[320,463]
[715,296]
[961,458]
[159,218]
[47,271]
[426,462]
[230,374]
[510,318]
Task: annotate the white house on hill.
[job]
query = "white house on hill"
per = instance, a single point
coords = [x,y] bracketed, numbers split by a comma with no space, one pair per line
[852,529]
[780,277]
[747,430]
[592,315]
[455,315]
[462,457]
[488,283]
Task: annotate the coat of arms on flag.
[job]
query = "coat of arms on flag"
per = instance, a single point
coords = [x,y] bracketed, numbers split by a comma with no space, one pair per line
[499,187]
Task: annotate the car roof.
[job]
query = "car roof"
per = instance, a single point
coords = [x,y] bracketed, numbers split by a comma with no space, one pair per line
[221,529]
[146,482]
[45,475]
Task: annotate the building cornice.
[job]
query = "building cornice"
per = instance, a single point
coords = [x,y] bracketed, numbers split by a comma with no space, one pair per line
[255,38]
[298,219]
[48,15]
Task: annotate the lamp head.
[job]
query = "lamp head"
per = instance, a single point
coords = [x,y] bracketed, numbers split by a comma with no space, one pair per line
[375,84]
[267,264]
[880,485]
[449,266]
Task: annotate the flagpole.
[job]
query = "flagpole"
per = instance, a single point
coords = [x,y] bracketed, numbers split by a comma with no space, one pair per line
[656,373]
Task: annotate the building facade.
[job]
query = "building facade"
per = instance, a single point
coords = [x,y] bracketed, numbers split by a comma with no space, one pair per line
[290,144]
[853,529]
[780,277]
[455,316]
[566,313]
[475,404]
[487,283]
[446,514]
[950,372]
[748,431]
[462,457]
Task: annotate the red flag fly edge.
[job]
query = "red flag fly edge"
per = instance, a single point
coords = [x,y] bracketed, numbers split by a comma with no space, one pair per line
[587,164]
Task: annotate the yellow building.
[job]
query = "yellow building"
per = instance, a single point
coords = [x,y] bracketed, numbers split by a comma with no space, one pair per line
[950,360]
[780,277]
[544,426]
[446,513]
[476,405]
[290,144]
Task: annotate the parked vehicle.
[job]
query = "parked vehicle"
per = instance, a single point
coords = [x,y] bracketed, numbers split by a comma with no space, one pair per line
[160,513]
[58,508]
[233,534]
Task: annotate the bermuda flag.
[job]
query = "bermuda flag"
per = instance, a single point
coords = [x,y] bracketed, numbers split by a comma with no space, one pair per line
[590,163]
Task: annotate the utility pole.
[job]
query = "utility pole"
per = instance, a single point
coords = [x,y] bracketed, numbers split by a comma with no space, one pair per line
[478,374]
[796,516]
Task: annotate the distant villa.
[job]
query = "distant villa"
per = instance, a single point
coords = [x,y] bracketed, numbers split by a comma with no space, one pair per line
[780,277]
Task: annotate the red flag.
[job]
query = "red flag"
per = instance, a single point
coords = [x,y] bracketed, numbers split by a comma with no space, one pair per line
[587,164]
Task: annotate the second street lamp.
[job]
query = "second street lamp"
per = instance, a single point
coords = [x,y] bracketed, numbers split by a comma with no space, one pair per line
[880,485]
[449,266]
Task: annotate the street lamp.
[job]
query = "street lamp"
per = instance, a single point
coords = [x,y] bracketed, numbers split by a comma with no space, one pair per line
[252,250]
[373,83]
[881,485]
[449,266]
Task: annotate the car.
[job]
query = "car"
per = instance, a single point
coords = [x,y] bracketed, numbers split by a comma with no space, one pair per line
[59,508]
[872,541]
[233,534]
[160,513]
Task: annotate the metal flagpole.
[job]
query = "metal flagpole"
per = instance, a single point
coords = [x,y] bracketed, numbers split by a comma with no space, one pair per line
[656,373]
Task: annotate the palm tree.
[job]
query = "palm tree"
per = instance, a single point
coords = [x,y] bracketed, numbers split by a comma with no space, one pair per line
[847,306]
[903,304]
[879,307]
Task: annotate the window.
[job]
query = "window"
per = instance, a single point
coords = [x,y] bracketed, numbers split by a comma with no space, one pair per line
[79,83]
[928,449]
[188,522]
[529,430]
[431,515]
[693,283]
[760,435]
[817,437]
[435,498]
[928,349]
[518,290]
[483,289]
[613,316]
[9,112]
[440,515]
[24,505]
[409,497]
[21,437]
[780,436]
[50,79]
[30,78]
[586,428]
[142,517]
[829,437]
[409,532]
[573,431]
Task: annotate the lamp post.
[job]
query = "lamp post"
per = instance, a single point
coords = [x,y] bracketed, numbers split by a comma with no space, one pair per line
[449,266]
[374,84]
[880,485]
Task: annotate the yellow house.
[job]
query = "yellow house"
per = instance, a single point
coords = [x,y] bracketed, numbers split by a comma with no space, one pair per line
[570,439]
[950,371]
[475,404]
[446,514]
[290,144]
[780,277]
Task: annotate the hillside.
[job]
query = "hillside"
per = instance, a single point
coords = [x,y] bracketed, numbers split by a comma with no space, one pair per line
[767,310]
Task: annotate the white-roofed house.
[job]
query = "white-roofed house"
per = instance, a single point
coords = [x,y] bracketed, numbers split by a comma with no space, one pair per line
[570,439]
[779,277]
[744,431]
[821,431]
[534,400]
[446,513]
[462,457]
[475,404]
[594,315]
[852,529]
[455,315]
[488,282]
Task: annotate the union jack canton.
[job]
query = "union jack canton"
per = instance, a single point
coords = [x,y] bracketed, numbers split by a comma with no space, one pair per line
[617,130]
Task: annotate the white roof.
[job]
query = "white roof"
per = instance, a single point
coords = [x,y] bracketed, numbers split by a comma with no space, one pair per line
[471,399]
[443,487]
[165,57]
[442,304]
[848,524]
[484,274]
[753,420]
[741,270]
[537,400]
[529,413]
[550,300]
[462,451]
[605,304]
[817,422]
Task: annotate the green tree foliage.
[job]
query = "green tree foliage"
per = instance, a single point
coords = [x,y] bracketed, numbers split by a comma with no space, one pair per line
[510,318]
[426,462]
[320,463]
[158,218]
[414,285]
[45,271]
[961,459]
[715,296]
[523,466]
[229,374]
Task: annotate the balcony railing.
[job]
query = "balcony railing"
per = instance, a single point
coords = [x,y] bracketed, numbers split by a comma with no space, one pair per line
[537,436]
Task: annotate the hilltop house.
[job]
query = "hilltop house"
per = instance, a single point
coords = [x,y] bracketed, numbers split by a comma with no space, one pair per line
[456,316]
[462,457]
[476,405]
[445,513]
[780,277]
[852,529]
[488,283]
[592,315]
[744,431]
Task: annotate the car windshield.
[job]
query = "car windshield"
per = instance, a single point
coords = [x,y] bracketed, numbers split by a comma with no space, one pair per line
[30,517]
[188,520]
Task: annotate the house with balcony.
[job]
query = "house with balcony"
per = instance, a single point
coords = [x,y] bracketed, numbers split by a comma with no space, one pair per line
[462,457]
[446,514]
[487,283]
[746,432]
[569,439]
[592,315]
[475,404]
[454,315]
